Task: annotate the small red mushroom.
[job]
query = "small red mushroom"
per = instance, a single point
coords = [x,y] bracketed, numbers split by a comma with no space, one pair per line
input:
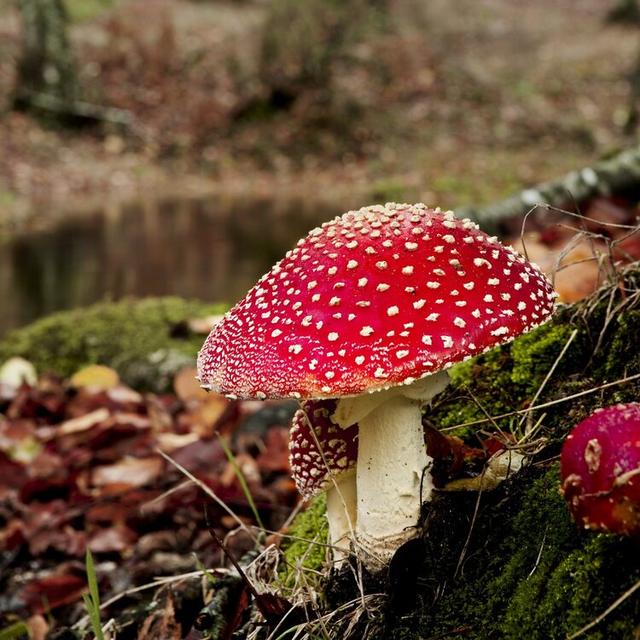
[322,457]
[600,468]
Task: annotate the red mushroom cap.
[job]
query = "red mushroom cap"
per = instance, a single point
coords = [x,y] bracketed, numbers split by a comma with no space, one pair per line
[600,467]
[375,298]
[310,468]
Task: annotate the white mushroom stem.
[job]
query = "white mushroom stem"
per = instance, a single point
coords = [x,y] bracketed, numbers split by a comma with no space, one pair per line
[392,459]
[341,514]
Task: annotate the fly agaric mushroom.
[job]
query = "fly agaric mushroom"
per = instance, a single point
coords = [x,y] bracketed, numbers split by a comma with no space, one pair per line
[600,469]
[322,457]
[382,300]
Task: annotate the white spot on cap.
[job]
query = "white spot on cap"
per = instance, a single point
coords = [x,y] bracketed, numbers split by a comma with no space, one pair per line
[366,331]
[447,342]
[275,333]
[333,336]
[403,353]
[352,264]
[334,302]
[418,304]
[383,286]
[433,316]
[362,282]
[295,348]
[411,246]
[407,271]
[393,311]
[359,359]
[459,322]
[382,264]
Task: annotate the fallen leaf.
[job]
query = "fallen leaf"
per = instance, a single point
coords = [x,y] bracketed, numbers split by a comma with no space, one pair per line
[114,538]
[161,623]
[17,371]
[186,386]
[169,442]
[43,594]
[95,377]
[82,423]
[134,472]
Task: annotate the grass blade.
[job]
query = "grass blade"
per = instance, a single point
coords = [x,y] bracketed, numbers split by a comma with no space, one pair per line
[242,480]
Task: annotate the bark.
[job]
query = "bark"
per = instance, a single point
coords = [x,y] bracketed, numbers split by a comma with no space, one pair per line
[47,67]
[619,175]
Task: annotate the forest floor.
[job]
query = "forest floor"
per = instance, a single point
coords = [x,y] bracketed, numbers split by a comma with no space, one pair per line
[429,102]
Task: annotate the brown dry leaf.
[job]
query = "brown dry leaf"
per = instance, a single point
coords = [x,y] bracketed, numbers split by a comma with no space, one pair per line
[82,423]
[579,273]
[169,442]
[134,472]
[161,623]
[206,415]
[114,538]
[96,377]
[43,594]
[275,456]
[186,386]
[124,395]
[248,467]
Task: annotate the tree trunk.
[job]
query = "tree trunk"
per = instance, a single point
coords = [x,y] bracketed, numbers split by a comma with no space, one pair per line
[47,67]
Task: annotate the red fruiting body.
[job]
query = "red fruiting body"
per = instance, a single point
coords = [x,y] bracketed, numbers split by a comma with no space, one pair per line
[375,298]
[600,468]
[312,429]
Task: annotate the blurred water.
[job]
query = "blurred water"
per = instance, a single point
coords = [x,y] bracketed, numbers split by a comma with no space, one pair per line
[195,248]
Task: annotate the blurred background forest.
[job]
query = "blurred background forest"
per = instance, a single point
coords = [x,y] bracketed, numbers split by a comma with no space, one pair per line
[180,146]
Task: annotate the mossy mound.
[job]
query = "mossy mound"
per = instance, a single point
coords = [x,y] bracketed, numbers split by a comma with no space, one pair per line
[510,563]
[303,559]
[144,340]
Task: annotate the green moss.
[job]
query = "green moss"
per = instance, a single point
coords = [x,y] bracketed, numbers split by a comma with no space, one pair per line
[616,354]
[305,560]
[137,338]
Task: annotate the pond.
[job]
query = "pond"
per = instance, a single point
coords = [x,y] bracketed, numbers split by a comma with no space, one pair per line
[206,248]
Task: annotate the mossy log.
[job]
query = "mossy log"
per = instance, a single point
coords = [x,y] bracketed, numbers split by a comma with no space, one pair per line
[619,174]
[510,563]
